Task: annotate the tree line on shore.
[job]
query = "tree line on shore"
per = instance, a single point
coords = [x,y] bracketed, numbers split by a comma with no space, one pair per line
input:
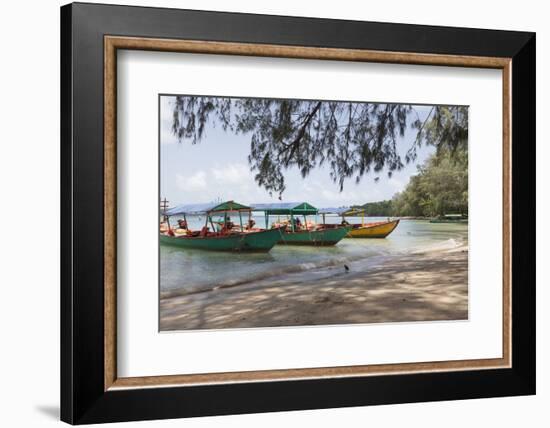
[439,188]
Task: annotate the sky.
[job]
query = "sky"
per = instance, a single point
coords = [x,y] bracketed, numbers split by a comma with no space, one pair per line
[217,168]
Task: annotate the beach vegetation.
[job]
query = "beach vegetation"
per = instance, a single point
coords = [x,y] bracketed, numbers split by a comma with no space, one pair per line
[440,187]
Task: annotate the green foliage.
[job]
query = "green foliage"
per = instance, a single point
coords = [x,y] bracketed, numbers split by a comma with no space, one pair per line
[440,187]
[353,139]
[378,209]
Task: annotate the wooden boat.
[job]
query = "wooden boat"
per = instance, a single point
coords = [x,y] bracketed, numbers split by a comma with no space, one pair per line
[379,229]
[322,237]
[450,218]
[228,239]
[261,241]
[295,232]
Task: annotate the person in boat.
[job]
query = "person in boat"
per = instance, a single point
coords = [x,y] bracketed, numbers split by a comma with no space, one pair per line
[227,226]
[182,224]
[344,222]
[251,224]
[297,224]
[204,231]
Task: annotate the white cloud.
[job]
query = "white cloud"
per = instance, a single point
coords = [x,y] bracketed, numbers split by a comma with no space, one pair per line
[236,174]
[193,183]
[166,136]
[236,181]
[395,184]
[233,181]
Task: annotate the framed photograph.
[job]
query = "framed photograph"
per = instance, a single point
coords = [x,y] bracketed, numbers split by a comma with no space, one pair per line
[267,213]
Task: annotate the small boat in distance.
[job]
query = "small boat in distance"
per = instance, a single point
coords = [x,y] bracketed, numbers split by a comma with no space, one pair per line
[229,237]
[450,218]
[296,232]
[379,229]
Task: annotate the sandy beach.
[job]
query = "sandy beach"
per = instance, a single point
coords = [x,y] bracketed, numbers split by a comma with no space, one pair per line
[416,287]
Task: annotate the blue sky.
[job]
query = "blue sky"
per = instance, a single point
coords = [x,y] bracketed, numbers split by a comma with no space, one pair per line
[217,168]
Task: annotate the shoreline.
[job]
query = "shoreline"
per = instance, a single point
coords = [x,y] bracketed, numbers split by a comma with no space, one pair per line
[424,286]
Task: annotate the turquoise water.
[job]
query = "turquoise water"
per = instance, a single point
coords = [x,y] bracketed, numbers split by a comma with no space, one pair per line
[194,270]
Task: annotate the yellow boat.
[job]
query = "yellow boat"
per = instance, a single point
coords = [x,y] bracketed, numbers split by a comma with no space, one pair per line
[379,229]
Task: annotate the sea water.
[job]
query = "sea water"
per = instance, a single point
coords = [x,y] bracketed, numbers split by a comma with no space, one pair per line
[190,270]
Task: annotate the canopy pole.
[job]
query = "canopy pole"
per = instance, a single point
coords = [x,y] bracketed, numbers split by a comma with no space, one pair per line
[362,218]
[266,215]
[305,222]
[323,219]
[241,220]
[292,221]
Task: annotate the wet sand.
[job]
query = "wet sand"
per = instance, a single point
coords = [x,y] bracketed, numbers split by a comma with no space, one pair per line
[417,287]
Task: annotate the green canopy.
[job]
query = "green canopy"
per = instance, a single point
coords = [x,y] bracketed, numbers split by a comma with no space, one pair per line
[286,208]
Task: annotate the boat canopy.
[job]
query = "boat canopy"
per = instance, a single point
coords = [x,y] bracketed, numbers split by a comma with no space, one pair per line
[344,211]
[198,209]
[286,208]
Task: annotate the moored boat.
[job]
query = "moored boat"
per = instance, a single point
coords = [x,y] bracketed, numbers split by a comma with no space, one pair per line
[260,241]
[296,232]
[322,237]
[228,238]
[379,229]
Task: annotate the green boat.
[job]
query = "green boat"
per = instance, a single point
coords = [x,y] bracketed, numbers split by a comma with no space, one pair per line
[296,233]
[234,238]
[323,237]
[262,241]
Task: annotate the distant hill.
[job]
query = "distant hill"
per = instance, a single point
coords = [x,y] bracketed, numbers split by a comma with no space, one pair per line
[377,209]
